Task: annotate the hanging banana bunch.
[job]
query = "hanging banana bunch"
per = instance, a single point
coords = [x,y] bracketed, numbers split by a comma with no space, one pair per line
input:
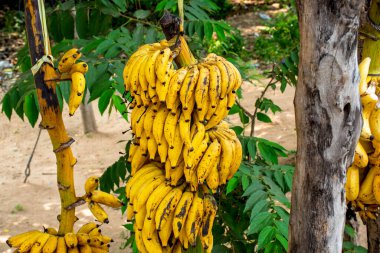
[69,68]
[182,151]
[363,176]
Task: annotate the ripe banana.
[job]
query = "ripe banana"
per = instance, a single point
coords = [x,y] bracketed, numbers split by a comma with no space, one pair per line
[352,183]
[194,220]
[98,212]
[78,85]
[105,199]
[68,60]
[181,211]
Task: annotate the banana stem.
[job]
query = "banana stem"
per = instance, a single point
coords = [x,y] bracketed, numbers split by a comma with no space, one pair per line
[51,114]
[172,29]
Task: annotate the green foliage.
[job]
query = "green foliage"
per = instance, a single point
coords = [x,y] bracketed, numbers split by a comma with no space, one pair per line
[280,39]
[349,246]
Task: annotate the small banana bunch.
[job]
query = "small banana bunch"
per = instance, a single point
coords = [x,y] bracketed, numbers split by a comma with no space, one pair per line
[87,239]
[363,176]
[95,197]
[68,66]
[167,218]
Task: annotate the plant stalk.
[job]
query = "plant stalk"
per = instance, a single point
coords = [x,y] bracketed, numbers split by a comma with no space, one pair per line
[51,113]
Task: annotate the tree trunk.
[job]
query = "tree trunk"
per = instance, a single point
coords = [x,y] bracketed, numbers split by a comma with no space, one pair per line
[373,232]
[328,119]
[88,117]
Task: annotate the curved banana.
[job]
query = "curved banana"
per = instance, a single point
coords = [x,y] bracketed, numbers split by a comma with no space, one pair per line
[105,199]
[194,220]
[98,212]
[352,183]
[78,85]
[181,211]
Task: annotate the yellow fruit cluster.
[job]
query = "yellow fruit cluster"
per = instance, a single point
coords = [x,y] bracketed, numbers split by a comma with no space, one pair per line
[363,176]
[68,66]
[88,239]
[167,217]
[182,151]
[95,197]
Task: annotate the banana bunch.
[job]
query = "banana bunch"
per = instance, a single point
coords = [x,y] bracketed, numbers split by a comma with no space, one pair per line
[206,89]
[363,176]
[87,239]
[95,197]
[167,218]
[68,66]
[148,71]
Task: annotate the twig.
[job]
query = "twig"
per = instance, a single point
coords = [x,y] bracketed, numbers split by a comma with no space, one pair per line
[138,20]
[27,169]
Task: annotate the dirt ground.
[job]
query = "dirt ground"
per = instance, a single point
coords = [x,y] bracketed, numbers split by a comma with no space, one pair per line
[36,203]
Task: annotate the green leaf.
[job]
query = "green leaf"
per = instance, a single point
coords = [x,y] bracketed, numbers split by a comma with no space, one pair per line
[113,51]
[7,105]
[244,181]
[208,30]
[360,249]
[30,109]
[138,34]
[199,29]
[81,22]
[279,177]
[67,24]
[120,106]
[220,32]
[254,198]
[283,241]
[232,184]
[252,148]
[260,206]
[234,109]
[243,117]
[263,117]
[104,100]
[121,4]
[151,35]
[349,231]
[253,187]
[282,227]
[282,213]
[238,130]
[267,153]
[104,46]
[265,236]
[141,14]
[289,179]
[259,222]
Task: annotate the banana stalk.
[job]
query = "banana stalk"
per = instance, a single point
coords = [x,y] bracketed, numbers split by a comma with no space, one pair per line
[51,114]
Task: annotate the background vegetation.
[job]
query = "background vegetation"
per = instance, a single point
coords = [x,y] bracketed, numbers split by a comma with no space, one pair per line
[254,207]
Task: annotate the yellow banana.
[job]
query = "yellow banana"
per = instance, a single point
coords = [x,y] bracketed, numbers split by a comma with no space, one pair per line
[149,177]
[376,188]
[361,157]
[365,192]
[95,232]
[195,157]
[177,173]
[166,231]
[181,211]
[145,193]
[212,179]
[139,240]
[352,183]
[91,184]
[170,128]
[135,72]
[374,123]
[175,153]
[159,124]
[98,212]
[155,199]
[197,139]
[106,199]
[184,129]
[184,239]
[143,81]
[40,243]
[71,240]
[208,161]
[163,150]
[209,212]
[86,228]
[78,85]
[130,212]
[188,87]
[152,245]
[147,168]
[237,75]
[83,238]
[68,60]
[168,170]
[175,86]
[150,69]
[167,206]
[81,67]
[201,114]
[148,121]
[143,144]
[138,161]
[139,188]
[17,240]
[28,243]
[152,148]
[139,218]
[194,220]
[163,66]
[220,113]
[132,151]
[201,90]
[61,245]
[225,78]
[363,70]
[227,154]
[85,248]
[230,100]
[369,102]
[215,85]
[238,155]
[51,244]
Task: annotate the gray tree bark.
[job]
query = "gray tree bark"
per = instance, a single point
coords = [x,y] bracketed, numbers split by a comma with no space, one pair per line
[328,120]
